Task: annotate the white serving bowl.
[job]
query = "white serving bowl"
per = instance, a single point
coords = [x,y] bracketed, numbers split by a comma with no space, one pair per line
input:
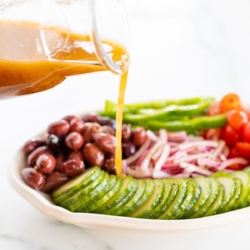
[43,202]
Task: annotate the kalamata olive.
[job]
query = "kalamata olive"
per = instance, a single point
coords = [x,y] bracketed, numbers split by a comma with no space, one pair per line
[72,167]
[108,130]
[76,125]
[32,144]
[77,155]
[56,144]
[33,178]
[69,118]
[128,149]
[105,142]
[35,154]
[90,130]
[53,181]
[93,155]
[107,121]
[126,132]
[139,136]
[45,163]
[90,118]
[59,128]
[109,164]
[74,141]
[60,159]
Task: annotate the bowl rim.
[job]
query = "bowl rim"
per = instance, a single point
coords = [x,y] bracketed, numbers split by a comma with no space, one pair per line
[43,203]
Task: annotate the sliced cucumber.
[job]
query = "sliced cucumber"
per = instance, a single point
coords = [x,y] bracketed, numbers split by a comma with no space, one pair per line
[206,189]
[172,211]
[235,197]
[76,184]
[108,192]
[217,204]
[128,185]
[229,186]
[215,189]
[144,198]
[192,195]
[162,206]
[129,206]
[118,206]
[76,200]
[152,202]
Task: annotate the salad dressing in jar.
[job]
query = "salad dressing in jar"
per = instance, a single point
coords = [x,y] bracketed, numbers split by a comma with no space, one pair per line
[38,55]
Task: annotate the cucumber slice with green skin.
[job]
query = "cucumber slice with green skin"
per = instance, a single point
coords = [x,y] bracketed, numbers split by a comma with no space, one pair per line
[108,196]
[93,196]
[206,189]
[235,197]
[245,179]
[229,186]
[217,204]
[152,202]
[162,206]
[144,198]
[76,184]
[129,206]
[215,189]
[117,207]
[192,195]
[172,210]
[128,184]
[186,201]
[91,204]
[81,194]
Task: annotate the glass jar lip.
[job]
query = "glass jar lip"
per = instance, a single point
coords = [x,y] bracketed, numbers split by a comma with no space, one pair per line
[101,54]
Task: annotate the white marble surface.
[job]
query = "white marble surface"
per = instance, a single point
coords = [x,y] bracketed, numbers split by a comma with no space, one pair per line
[179,48]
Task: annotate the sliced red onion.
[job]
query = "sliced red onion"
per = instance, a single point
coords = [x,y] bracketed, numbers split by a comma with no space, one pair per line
[207,162]
[223,157]
[139,152]
[208,143]
[177,136]
[146,161]
[218,150]
[163,134]
[139,173]
[182,175]
[237,160]
[190,168]
[163,158]
[152,135]
[170,167]
[142,157]
[160,175]
[157,154]
[124,167]
[190,158]
[176,156]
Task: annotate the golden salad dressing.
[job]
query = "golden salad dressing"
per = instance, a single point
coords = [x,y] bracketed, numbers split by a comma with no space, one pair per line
[35,58]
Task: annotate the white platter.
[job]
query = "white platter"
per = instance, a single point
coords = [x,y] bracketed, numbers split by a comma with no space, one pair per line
[45,205]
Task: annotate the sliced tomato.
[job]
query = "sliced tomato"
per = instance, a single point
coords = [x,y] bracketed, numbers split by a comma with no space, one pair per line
[237,118]
[246,132]
[230,135]
[229,102]
[234,153]
[243,149]
[236,167]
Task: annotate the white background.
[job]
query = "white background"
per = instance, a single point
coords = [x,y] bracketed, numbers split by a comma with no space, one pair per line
[179,48]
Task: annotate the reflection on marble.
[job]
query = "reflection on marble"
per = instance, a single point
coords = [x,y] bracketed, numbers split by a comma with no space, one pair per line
[179,48]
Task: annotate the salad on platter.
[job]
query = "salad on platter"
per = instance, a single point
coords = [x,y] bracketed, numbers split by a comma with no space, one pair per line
[181,159]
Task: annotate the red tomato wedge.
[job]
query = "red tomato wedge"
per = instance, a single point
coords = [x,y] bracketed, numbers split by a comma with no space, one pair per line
[243,148]
[246,132]
[230,135]
[237,118]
